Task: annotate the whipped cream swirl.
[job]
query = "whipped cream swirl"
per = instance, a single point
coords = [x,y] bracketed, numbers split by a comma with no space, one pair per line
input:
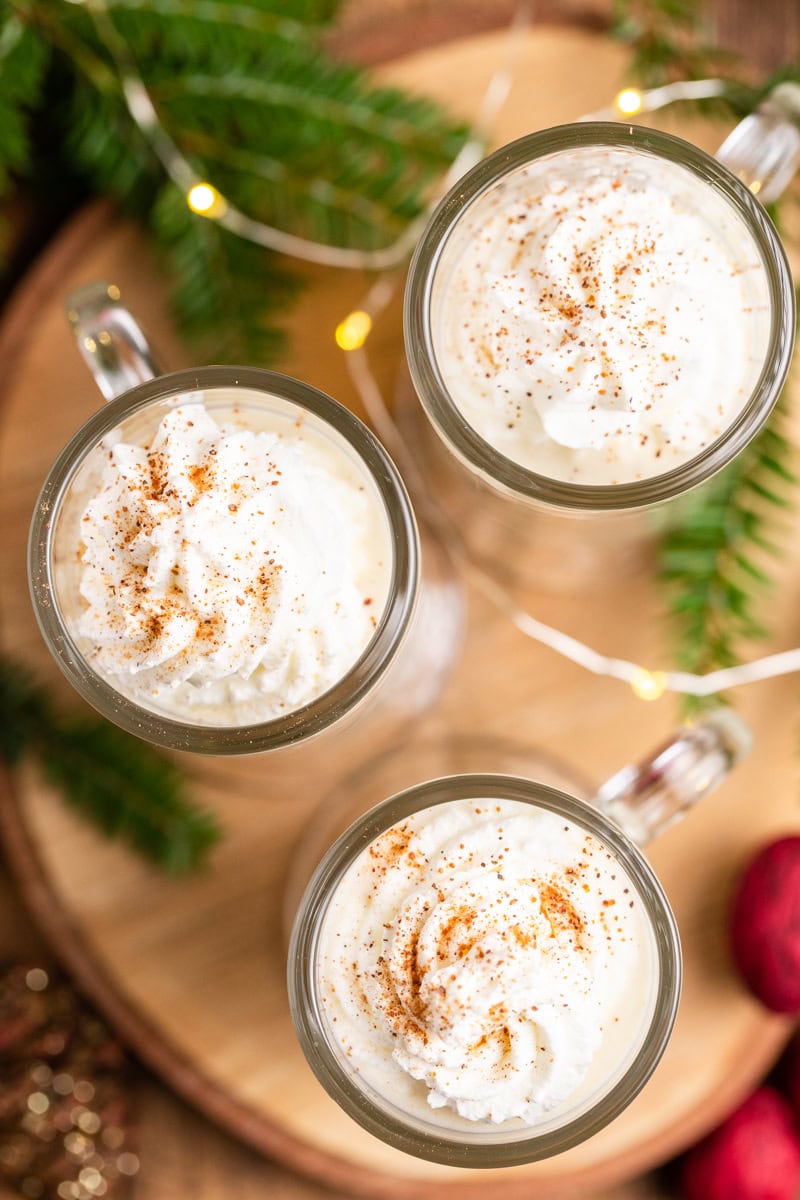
[230,575]
[482,948]
[601,315]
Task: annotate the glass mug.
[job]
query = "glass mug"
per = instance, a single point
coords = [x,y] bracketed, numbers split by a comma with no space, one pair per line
[138,398]
[524,525]
[428,968]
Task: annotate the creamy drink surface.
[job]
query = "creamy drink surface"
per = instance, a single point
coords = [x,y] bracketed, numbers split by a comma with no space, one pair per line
[486,961]
[600,315]
[233,566]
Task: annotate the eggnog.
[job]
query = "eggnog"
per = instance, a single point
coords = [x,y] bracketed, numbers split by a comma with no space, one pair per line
[600,315]
[486,962]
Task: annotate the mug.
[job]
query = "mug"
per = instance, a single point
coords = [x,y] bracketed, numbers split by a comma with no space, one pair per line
[410,983]
[224,719]
[529,526]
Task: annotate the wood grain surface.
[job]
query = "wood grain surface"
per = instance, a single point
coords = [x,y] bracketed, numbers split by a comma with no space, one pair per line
[194,971]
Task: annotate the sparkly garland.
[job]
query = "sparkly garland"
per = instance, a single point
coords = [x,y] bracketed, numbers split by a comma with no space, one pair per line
[66,1126]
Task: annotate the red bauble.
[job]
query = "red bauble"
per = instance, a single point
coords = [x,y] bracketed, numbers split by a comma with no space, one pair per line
[765,932]
[754,1155]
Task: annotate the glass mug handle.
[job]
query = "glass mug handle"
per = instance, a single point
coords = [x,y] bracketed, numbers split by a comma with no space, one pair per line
[764,149]
[646,798]
[111,342]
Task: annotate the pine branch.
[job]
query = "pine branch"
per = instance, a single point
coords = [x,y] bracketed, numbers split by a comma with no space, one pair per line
[129,792]
[294,139]
[23,59]
[216,272]
[669,40]
[714,561]
[124,787]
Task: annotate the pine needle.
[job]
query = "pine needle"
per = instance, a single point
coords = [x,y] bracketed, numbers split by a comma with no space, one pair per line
[293,138]
[124,787]
[713,560]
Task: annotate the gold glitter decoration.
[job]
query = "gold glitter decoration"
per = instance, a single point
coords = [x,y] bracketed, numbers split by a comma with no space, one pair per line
[89,1122]
[78,1145]
[127,1164]
[36,979]
[63,1095]
[41,1075]
[90,1178]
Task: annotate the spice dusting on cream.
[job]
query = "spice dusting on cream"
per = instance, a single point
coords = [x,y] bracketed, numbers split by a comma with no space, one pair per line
[230,574]
[482,957]
[600,316]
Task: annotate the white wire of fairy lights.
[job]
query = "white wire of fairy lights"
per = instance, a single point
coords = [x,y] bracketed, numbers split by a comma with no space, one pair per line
[206,200]
[632,102]
[351,334]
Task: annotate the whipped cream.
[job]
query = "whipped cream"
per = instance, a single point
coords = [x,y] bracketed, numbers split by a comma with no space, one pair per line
[483,957]
[600,315]
[234,571]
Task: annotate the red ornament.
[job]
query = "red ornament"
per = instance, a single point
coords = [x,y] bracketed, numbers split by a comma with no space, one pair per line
[765,933]
[754,1155]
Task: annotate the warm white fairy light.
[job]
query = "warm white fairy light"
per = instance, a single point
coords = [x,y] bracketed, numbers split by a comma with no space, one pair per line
[225,213]
[631,102]
[649,685]
[143,112]
[353,331]
[204,199]
[628,102]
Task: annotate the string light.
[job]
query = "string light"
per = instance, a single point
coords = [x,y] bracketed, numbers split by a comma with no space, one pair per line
[204,199]
[628,102]
[353,331]
[213,204]
[143,112]
[649,685]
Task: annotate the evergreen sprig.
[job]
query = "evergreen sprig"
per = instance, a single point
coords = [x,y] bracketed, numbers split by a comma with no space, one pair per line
[246,91]
[669,40]
[127,789]
[715,559]
[23,59]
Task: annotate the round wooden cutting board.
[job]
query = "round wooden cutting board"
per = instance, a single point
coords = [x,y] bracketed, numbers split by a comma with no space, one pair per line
[192,972]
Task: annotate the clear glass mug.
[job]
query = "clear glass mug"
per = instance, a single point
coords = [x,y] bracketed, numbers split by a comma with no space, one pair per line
[139,397]
[630,809]
[526,527]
